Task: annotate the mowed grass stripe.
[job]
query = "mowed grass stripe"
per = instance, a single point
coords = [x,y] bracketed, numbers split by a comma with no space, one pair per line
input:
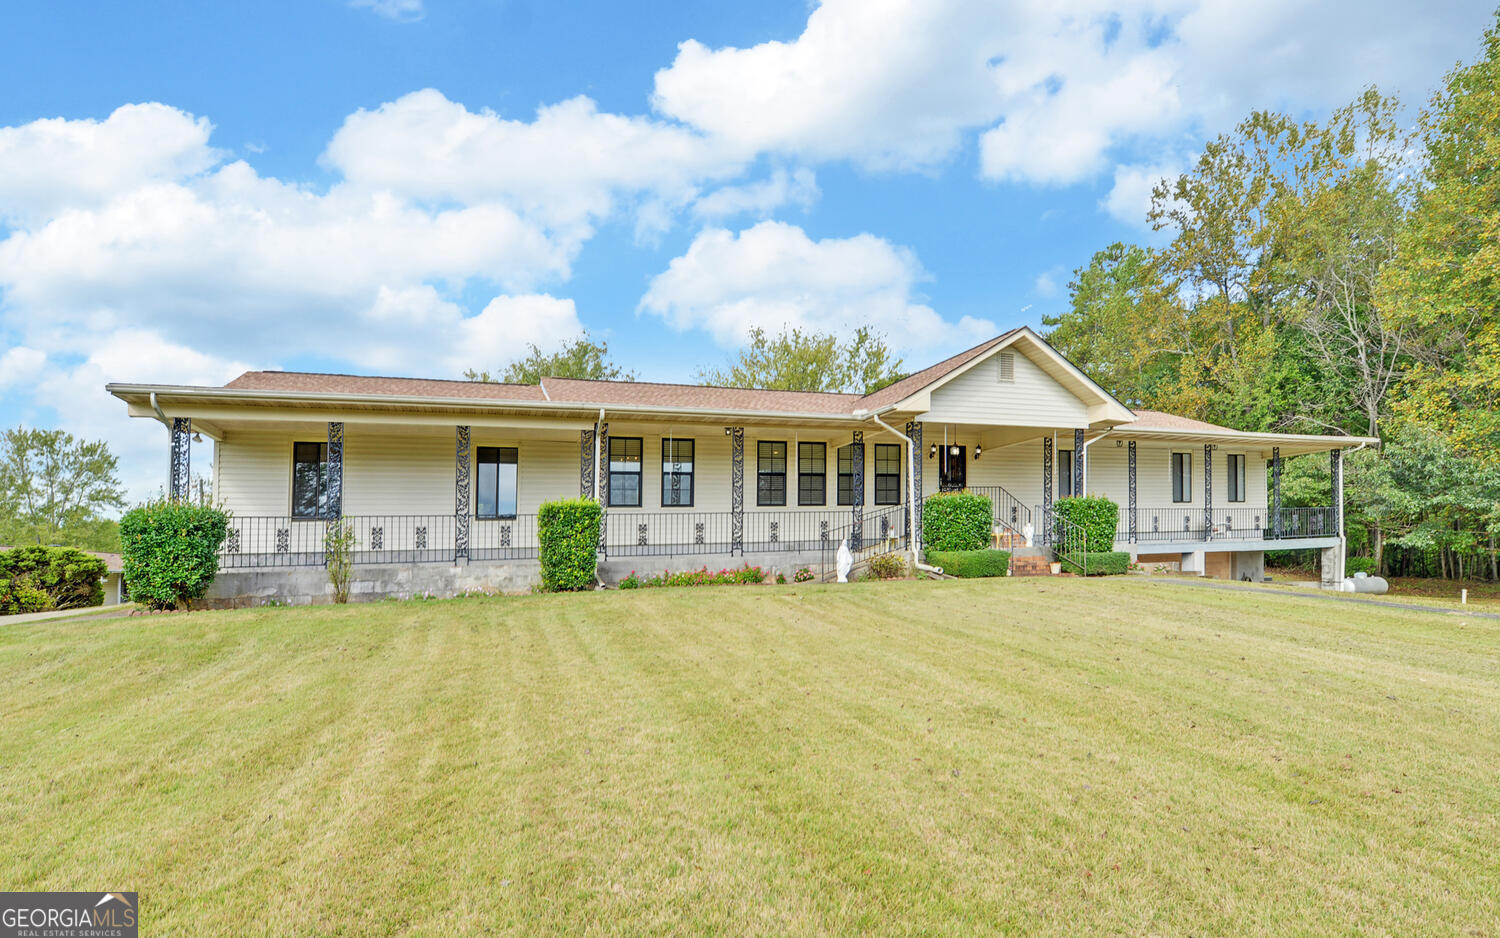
[1043,756]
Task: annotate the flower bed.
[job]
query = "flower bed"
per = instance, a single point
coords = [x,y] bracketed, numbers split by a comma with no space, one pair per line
[738,577]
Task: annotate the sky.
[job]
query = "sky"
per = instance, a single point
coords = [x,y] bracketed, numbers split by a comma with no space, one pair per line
[190,190]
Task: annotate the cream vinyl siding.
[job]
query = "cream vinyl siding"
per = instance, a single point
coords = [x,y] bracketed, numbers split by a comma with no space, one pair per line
[398,474]
[1033,399]
[255,471]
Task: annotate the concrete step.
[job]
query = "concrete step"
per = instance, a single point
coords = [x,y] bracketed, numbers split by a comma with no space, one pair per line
[1030,566]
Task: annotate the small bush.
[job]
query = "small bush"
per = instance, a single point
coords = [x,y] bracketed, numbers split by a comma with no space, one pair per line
[971,563]
[957,521]
[1102,562]
[36,579]
[568,532]
[740,576]
[1353,565]
[171,551]
[781,579]
[1096,515]
[888,567]
[804,575]
[338,554]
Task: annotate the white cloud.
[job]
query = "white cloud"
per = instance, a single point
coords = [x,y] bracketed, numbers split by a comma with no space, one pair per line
[1129,199]
[20,365]
[1055,90]
[402,11]
[773,276]
[799,187]
[1045,285]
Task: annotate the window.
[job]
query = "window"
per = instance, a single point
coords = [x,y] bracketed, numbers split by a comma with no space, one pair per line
[1236,477]
[887,473]
[310,481]
[625,472]
[1065,486]
[812,473]
[952,468]
[846,474]
[676,473]
[770,473]
[496,482]
[1182,477]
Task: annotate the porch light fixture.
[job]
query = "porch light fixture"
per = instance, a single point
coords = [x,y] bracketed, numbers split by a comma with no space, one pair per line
[978,448]
[953,450]
[932,451]
[197,438]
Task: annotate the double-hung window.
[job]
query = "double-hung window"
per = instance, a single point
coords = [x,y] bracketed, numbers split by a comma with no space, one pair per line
[887,473]
[310,481]
[812,473]
[1236,477]
[1065,480]
[625,472]
[770,472]
[846,474]
[1182,477]
[676,473]
[495,468]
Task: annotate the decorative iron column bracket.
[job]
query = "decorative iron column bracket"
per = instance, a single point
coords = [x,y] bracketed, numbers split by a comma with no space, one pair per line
[1276,491]
[603,470]
[1336,479]
[857,467]
[1046,532]
[461,488]
[914,431]
[736,489]
[585,463]
[180,477]
[1208,491]
[1134,512]
[335,470]
[1078,463]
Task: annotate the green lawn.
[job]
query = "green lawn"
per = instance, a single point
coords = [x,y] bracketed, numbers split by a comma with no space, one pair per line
[1031,756]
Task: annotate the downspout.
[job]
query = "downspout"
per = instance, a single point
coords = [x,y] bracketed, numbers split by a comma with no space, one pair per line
[911,498]
[1084,482]
[597,469]
[159,414]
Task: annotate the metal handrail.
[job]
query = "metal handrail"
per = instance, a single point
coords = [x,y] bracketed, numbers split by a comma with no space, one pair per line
[1008,511]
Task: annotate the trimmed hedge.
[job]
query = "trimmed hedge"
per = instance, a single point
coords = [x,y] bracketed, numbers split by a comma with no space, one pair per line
[568,531]
[957,521]
[1098,516]
[971,563]
[37,579]
[171,551]
[1103,562]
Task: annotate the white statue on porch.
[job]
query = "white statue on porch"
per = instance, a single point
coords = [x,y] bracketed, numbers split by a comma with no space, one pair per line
[846,561]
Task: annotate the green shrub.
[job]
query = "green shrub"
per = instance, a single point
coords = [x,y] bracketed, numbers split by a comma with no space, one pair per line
[568,530]
[971,563]
[957,521]
[888,567]
[804,575]
[338,555]
[1353,565]
[1100,562]
[740,576]
[1096,515]
[171,551]
[36,579]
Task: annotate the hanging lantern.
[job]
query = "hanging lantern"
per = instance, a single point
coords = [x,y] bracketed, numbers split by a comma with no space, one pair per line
[953,450]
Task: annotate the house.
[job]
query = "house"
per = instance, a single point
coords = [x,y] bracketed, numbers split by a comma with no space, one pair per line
[441,480]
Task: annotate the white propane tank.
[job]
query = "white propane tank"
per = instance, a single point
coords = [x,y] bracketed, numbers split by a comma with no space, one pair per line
[1364,583]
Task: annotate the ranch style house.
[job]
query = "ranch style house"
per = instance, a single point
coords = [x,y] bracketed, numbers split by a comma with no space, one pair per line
[441,480]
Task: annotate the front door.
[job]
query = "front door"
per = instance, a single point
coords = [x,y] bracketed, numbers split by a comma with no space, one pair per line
[952,468]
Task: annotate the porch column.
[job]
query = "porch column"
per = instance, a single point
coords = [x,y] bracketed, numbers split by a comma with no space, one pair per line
[1208,491]
[180,478]
[335,470]
[1336,474]
[1130,460]
[586,463]
[461,495]
[1078,463]
[857,525]
[1046,532]
[914,431]
[604,485]
[1276,491]
[736,489]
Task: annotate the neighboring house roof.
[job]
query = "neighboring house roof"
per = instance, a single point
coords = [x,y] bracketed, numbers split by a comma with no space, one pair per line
[401,387]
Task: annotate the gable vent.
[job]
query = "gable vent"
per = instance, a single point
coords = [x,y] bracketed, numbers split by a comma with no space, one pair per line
[1007,367]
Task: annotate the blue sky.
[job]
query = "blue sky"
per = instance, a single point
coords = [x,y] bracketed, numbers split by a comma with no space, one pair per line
[416,186]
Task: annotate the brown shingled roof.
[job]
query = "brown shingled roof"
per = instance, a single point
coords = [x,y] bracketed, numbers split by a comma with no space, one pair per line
[396,387]
[911,384]
[1160,420]
[697,397]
